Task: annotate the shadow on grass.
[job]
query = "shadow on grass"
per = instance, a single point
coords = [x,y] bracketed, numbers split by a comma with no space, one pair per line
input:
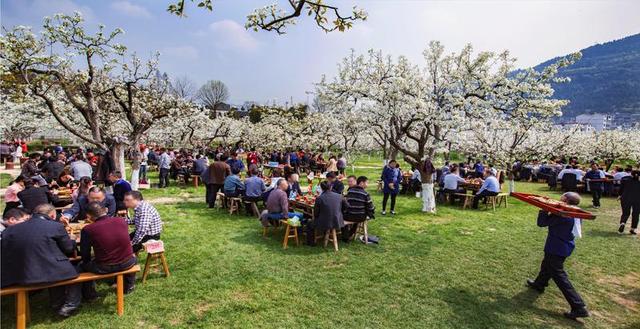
[604,234]
[485,309]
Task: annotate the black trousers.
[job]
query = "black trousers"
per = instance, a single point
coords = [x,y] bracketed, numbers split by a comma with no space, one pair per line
[553,268]
[164,177]
[93,267]
[630,209]
[482,195]
[213,189]
[597,194]
[386,198]
[138,246]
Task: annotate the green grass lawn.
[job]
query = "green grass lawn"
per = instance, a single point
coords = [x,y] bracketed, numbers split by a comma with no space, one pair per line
[5,179]
[456,269]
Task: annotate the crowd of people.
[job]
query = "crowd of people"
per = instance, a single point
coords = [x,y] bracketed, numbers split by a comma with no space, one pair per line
[38,212]
[37,243]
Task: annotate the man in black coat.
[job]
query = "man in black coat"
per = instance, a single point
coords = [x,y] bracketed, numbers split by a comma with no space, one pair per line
[335,184]
[327,211]
[37,252]
[33,196]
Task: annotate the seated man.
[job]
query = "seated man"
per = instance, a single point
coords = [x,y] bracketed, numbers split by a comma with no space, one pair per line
[233,186]
[490,187]
[145,218]
[254,186]
[109,238]
[351,182]
[567,170]
[12,217]
[451,181]
[120,187]
[278,204]
[33,195]
[359,207]
[294,186]
[78,210]
[335,184]
[37,252]
[327,212]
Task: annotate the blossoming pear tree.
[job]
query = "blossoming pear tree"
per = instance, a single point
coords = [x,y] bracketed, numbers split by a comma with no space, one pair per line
[87,82]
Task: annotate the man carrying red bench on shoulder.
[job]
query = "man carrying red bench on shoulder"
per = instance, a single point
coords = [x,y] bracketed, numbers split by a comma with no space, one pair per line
[559,245]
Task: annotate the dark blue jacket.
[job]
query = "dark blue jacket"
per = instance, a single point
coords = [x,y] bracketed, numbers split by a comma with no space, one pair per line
[560,240]
[391,175]
[77,211]
[36,251]
[594,175]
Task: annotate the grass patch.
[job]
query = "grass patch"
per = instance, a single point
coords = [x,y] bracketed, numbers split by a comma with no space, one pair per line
[455,269]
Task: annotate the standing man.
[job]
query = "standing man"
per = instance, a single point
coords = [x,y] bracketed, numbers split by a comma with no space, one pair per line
[164,163]
[559,245]
[145,218]
[630,202]
[218,172]
[490,187]
[596,187]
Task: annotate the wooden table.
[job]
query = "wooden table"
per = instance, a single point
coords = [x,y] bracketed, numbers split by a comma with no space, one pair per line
[305,208]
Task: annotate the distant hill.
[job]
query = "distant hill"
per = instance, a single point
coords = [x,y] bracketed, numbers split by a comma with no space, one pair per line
[605,80]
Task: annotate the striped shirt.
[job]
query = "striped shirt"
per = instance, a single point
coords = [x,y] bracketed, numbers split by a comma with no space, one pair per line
[360,205]
[147,221]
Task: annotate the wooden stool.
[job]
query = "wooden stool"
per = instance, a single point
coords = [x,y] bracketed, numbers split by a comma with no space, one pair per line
[496,200]
[234,205]
[181,180]
[253,206]
[333,238]
[196,180]
[289,232]
[223,200]
[379,185]
[362,229]
[155,250]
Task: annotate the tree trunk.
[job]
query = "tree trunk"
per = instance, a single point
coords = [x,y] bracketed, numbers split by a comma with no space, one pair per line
[117,150]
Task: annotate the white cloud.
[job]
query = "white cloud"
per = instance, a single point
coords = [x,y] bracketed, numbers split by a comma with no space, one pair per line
[229,34]
[129,9]
[181,52]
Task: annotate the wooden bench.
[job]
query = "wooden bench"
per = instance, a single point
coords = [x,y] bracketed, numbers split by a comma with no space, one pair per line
[333,236]
[22,292]
[253,206]
[467,199]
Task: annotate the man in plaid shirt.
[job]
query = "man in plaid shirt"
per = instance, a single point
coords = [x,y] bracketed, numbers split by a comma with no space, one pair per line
[146,219]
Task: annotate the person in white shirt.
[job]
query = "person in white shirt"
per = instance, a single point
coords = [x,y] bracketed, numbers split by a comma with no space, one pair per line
[620,174]
[566,170]
[579,173]
[451,181]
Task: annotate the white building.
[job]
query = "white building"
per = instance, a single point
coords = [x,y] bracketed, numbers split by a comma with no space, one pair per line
[598,121]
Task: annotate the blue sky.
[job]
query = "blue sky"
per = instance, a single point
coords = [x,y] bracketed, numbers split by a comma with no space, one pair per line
[262,66]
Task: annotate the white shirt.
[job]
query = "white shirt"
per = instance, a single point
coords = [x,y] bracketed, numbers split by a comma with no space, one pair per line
[416,175]
[451,181]
[620,175]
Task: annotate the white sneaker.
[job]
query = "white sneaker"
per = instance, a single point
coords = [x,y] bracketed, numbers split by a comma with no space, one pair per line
[384,212]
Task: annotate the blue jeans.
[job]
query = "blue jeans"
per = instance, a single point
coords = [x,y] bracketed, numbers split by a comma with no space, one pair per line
[143,172]
[278,216]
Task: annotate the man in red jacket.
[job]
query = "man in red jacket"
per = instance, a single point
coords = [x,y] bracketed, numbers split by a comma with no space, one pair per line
[109,238]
